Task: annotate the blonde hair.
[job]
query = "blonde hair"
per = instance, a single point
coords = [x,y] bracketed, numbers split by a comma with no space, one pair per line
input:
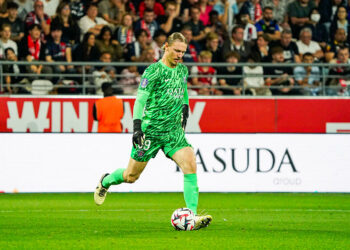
[212,36]
[206,54]
[176,36]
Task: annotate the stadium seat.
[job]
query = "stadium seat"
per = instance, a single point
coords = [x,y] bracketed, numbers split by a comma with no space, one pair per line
[41,87]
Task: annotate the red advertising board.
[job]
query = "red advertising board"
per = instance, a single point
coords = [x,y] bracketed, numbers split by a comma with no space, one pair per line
[236,115]
[312,115]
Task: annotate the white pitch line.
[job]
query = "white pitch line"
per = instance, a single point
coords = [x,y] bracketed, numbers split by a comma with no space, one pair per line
[155,210]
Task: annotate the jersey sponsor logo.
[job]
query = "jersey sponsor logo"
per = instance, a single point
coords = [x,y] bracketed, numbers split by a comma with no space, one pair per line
[176,92]
[185,80]
[144,83]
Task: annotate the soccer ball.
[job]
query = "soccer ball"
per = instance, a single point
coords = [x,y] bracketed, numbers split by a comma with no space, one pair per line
[183,219]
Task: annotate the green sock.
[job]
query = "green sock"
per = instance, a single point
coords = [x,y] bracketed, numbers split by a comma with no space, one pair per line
[114,178]
[191,191]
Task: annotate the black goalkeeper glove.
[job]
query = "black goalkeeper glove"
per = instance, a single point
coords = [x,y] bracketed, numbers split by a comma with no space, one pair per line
[185,112]
[138,137]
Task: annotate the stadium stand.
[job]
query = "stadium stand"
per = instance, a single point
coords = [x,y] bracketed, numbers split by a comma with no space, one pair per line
[65,45]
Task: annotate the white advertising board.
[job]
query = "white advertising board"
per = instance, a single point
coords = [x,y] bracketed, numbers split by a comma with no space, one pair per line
[32,162]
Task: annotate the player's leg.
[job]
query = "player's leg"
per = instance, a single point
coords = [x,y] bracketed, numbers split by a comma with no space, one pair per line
[186,160]
[138,161]
[128,175]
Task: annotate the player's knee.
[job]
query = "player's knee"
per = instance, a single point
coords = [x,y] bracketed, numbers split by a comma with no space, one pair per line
[193,168]
[190,168]
[131,178]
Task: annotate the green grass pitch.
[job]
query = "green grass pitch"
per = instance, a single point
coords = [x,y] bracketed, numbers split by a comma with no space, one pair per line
[142,221]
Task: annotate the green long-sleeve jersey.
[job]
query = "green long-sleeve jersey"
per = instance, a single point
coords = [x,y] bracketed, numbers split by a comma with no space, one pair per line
[161,95]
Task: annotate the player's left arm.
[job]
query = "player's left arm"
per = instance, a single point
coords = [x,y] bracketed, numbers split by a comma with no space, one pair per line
[185,104]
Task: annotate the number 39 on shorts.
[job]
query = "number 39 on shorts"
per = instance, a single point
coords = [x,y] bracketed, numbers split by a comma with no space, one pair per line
[146,145]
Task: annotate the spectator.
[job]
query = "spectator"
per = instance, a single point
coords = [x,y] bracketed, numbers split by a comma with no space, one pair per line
[50,7]
[159,39]
[105,43]
[227,9]
[308,76]
[185,9]
[236,43]
[347,6]
[340,40]
[279,8]
[130,80]
[340,21]
[198,29]
[170,22]
[268,25]
[103,74]
[147,23]
[5,41]
[285,26]
[17,25]
[217,26]
[339,75]
[191,54]
[86,52]
[70,28]
[128,6]
[147,55]
[319,31]
[253,77]
[205,9]
[151,4]
[78,9]
[298,13]
[134,50]
[261,48]
[14,69]
[206,78]
[3,9]
[31,49]
[253,8]
[279,76]
[328,9]
[90,22]
[250,33]
[125,33]
[290,48]
[232,86]
[24,7]
[59,51]
[38,17]
[212,45]
[305,44]
[110,11]
[108,111]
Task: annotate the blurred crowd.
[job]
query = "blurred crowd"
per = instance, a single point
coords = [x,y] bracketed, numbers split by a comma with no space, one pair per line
[233,31]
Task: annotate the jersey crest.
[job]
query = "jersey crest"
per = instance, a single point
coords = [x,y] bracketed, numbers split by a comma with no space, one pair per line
[144,83]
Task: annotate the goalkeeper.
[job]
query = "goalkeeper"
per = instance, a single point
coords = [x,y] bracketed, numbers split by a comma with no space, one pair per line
[160,115]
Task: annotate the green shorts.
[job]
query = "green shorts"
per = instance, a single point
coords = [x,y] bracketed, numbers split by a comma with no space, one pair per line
[170,143]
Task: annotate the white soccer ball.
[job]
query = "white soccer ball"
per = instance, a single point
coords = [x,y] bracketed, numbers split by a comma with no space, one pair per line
[183,219]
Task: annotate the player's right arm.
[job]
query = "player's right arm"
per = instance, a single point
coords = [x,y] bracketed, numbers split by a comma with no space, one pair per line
[148,80]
